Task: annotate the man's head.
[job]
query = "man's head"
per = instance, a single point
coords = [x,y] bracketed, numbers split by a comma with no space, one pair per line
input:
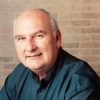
[37,39]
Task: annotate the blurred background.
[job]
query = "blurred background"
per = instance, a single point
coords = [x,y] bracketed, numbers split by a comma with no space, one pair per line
[78,20]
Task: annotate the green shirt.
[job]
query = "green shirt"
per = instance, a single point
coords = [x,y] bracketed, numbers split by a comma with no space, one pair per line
[69,79]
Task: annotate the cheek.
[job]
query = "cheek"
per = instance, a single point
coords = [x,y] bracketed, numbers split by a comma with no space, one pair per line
[47,49]
[19,46]
[19,50]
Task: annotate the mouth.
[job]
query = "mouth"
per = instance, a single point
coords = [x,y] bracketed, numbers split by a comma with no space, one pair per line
[34,56]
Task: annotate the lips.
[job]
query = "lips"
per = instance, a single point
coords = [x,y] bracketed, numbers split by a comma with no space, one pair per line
[34,56]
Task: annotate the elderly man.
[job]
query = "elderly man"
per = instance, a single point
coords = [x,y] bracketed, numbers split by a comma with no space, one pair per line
[46,71]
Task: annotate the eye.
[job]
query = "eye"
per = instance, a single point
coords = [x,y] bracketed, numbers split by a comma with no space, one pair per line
[20,38]
[39,35]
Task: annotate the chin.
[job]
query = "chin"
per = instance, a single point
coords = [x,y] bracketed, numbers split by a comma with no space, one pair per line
[33,66]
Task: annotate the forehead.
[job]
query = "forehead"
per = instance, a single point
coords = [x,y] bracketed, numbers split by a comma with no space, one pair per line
[32,18]
[34,15]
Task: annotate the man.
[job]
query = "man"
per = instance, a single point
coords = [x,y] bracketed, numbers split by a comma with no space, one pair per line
[46,71]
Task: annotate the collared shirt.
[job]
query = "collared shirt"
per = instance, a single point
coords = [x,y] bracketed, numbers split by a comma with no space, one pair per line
[68,79]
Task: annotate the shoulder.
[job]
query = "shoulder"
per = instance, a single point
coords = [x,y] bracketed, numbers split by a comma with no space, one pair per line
[83,82]
[81,75]
[18,74]
[75,65]
[18,71]
[14,82]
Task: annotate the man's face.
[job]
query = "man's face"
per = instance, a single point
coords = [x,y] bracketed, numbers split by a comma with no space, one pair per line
[36,46]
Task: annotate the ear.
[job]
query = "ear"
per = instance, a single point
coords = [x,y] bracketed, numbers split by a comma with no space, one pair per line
[58,39]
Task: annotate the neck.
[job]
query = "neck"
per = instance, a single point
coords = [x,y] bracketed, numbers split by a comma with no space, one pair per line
[42,76]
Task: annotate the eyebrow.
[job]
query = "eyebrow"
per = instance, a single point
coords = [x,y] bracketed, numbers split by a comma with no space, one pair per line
[40,31]
[16,36]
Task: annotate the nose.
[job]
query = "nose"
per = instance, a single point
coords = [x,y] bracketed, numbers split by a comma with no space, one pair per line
[30,45]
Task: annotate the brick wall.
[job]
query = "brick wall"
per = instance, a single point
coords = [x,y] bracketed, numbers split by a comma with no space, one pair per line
[79,22]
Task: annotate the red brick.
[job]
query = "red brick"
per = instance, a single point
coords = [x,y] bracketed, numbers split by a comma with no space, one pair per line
[76,37]
[96,37]
[81,22]
[6,59]
[9,66]
[90,30]
[71,30]
[89,15]
[70,45]
[90,2]
[90,45]
[95,52]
